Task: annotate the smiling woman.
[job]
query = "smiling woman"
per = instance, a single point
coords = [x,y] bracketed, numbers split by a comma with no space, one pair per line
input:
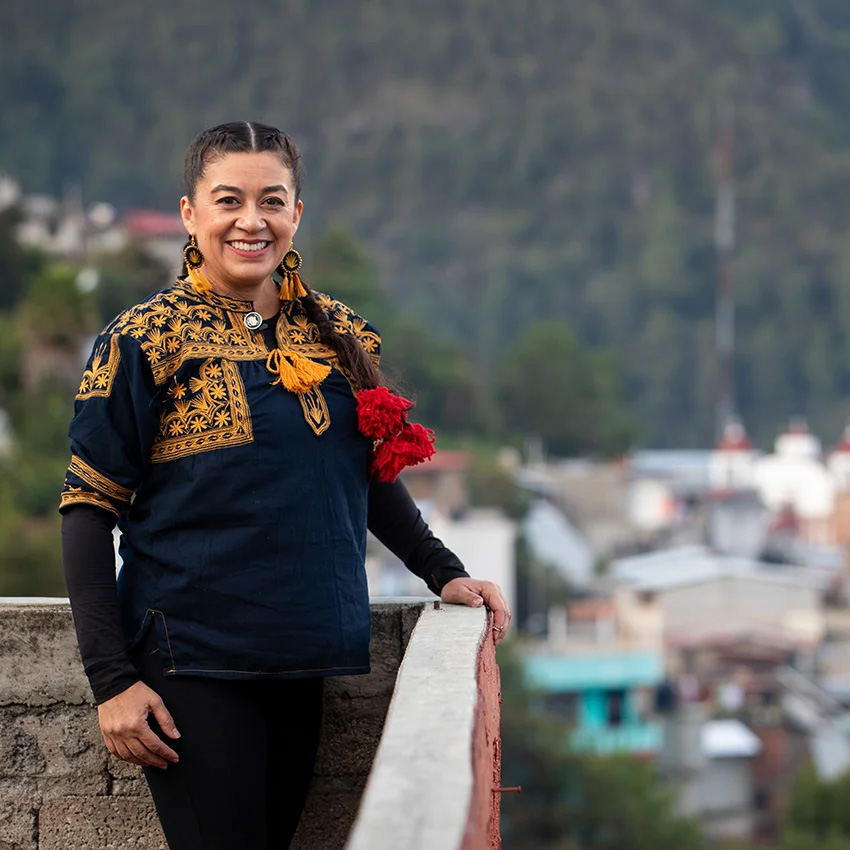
[236,428]
[244,213]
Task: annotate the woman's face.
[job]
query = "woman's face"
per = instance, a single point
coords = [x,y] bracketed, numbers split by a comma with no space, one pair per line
[244,217]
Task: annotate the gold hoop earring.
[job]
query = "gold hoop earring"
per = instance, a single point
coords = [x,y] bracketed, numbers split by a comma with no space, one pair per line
[291,286]
[194,259]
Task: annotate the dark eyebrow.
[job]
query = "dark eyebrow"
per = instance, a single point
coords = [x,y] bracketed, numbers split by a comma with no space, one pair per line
[236,190]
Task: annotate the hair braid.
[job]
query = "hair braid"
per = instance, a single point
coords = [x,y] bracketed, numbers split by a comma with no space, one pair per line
[352,356]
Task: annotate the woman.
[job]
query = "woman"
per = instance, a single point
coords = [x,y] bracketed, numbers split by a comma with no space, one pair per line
[229,425]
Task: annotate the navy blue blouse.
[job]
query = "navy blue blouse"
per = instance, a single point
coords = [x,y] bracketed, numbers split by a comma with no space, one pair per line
[242,506]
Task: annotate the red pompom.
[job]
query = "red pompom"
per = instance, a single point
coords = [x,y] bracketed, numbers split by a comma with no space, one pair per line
[414,444]
[380,413]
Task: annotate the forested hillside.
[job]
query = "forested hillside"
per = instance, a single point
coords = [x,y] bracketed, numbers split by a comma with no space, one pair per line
[505,162]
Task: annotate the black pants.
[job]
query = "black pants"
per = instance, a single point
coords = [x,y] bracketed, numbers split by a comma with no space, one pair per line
[247,751]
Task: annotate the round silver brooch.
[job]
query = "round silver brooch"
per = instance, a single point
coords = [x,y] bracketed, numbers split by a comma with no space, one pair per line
[253,320]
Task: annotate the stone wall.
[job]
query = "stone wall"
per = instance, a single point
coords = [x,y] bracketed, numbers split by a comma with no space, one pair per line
[61,790]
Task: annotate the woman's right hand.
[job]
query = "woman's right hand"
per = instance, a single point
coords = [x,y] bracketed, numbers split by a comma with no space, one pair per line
[126,733]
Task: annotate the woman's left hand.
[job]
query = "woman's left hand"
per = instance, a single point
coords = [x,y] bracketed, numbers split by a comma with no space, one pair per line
[475,593]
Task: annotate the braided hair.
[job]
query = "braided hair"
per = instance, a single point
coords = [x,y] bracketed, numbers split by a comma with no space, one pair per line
[251,136]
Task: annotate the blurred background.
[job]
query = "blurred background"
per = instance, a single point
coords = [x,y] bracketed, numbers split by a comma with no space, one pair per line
[606,245]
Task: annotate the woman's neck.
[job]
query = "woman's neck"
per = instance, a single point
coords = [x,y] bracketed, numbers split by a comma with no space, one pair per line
[264,295]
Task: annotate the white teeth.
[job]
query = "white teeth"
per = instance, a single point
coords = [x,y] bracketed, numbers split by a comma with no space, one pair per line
[249,246]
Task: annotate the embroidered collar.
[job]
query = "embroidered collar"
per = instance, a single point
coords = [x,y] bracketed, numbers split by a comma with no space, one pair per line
[238,305]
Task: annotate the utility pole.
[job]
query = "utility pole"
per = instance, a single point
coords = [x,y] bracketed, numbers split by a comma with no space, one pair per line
[724,242]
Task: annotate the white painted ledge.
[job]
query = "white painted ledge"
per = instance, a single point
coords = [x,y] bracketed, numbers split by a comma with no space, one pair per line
[420,788]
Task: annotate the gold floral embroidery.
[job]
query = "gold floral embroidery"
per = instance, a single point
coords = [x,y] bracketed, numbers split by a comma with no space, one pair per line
[207,411]
[343,320]
[180,325]
[98,378]
[176,325]
[77,495]
[97,481]
[315,410]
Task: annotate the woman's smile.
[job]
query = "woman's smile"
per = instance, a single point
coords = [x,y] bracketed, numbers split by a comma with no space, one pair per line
[249,250]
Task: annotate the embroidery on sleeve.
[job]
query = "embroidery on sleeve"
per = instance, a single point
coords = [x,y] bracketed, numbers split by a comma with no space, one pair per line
[98,482]
[369,339]
[99,377]
[79,496]
[204,412]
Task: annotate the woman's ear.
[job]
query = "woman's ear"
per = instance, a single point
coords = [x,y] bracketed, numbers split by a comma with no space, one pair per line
[187,213]
[296,215]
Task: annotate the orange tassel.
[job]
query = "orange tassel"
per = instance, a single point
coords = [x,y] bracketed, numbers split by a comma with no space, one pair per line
[200,283]
[296,373]
[291,287]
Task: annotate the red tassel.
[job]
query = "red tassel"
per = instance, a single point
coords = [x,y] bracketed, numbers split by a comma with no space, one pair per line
[381,413]
[414,444]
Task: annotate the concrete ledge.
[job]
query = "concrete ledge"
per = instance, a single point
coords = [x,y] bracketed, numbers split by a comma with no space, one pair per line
[425,787]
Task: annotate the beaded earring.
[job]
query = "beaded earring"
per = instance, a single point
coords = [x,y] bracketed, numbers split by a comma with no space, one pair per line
[291,284]
[193,258]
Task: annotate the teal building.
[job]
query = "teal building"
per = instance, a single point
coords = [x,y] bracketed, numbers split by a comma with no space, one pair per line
[606,696]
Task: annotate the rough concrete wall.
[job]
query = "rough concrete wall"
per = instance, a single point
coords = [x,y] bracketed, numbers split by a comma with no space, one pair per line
[482,828]
[60,789]
[355,709]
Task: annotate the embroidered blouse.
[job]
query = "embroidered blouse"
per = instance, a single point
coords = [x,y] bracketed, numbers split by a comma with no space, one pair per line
[242,506]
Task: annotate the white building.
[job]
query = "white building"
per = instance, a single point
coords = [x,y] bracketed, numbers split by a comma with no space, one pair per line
[483,539]
[726,781]
[795,477]
[554,541]
[838,463]
[689,594]
[732,463]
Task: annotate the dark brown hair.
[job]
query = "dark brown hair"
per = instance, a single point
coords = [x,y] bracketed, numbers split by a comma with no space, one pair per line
[251,136]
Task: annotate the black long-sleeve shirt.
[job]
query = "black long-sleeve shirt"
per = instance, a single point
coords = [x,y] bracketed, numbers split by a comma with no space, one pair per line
[89,560]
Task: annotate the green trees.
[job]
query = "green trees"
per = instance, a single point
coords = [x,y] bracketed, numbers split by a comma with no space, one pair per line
[817,816]
[546,385]
[570,397]
[41,333]
[503,166]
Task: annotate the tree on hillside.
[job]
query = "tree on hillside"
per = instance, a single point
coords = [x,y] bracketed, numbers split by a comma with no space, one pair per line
[569,396]
[15,262]
[436,373]
[343,268]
